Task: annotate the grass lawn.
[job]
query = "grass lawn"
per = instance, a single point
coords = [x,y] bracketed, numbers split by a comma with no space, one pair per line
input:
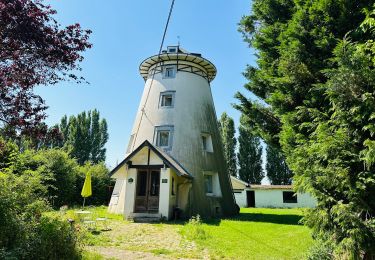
[254,234]
[258,234]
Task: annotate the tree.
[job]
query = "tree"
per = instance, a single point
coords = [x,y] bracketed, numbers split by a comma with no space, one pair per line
[87,135]
[278,172]
[34,50]
[315,75]
[227,131]
[249,155]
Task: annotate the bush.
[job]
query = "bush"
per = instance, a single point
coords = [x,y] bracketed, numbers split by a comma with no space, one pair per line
[24,232]
[60,172]
[320,251]
[100,181]
[63,177]
[193,230]
[54,239]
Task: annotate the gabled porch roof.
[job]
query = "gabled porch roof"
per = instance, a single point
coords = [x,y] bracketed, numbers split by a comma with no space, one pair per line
[166,158]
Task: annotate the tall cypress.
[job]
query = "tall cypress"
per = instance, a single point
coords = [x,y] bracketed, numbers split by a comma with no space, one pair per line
[249,154]
[315,78]
[86,134]
[278,172]
[227,131]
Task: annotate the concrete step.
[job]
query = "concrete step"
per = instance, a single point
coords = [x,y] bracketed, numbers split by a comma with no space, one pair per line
[146,220]
[146,217]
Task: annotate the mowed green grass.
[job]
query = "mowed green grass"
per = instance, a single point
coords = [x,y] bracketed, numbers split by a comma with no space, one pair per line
[258,234]
[254,234]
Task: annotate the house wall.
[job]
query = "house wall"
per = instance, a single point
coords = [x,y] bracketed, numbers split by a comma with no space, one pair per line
[164,192]
[271,198]
[122,200]
[172,198]
[130,192]
[117,202]
[241,198]
[142,156]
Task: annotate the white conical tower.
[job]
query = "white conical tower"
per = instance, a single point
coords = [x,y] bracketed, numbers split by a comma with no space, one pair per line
[177,117]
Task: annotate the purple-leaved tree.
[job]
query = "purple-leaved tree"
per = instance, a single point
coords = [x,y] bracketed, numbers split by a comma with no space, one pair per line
[34,50]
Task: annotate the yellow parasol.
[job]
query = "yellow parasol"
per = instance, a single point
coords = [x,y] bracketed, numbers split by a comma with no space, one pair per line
[86,189]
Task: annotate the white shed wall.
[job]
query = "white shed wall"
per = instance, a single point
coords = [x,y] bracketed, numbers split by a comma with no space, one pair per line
[241,199]
[274,199]
[271,198]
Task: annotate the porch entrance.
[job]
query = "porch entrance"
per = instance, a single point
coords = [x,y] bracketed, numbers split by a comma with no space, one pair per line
[147,191]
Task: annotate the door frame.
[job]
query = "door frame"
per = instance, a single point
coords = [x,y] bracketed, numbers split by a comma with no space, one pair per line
[148,189]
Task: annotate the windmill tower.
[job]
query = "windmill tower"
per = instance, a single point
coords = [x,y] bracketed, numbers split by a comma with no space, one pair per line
[174,161]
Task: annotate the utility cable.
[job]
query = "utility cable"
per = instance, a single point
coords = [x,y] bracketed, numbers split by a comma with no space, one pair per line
[154,71]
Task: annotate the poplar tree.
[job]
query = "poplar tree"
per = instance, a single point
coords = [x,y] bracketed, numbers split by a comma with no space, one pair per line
[227,131]
[249,154]
[278,172]
[86,135]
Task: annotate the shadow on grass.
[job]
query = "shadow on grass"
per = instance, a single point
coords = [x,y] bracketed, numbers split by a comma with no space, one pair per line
[268,218]
[283,219]
[259,217]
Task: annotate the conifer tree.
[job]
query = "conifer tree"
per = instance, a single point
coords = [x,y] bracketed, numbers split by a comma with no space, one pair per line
[316,79]
[249,154]
[86,134]
[227,131]
[278,172]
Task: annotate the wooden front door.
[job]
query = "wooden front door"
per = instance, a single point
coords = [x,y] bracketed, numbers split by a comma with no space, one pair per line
[147,191]
[250,194]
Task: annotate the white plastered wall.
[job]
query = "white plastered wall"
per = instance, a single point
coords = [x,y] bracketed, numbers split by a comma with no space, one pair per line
[117,202]
[272,198]
[241,198]
[192,94]
[167,201]
[165,174]
[130,193]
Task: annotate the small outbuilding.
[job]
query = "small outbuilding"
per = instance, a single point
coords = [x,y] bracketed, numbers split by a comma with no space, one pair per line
[269,196]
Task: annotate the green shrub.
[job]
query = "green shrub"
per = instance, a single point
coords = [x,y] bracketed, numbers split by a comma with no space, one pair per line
[24,232]
[320,251]
[193,230]
[54,239]
[100,181]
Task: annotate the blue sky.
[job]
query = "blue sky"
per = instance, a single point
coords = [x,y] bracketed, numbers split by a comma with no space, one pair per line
[125,33]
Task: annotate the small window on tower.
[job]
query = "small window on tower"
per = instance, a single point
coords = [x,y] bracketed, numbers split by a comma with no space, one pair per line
[207,142]
[169,72]
[208,183]
[164,136]
[212,184]
[167,99]
[204,142]
[172,49]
